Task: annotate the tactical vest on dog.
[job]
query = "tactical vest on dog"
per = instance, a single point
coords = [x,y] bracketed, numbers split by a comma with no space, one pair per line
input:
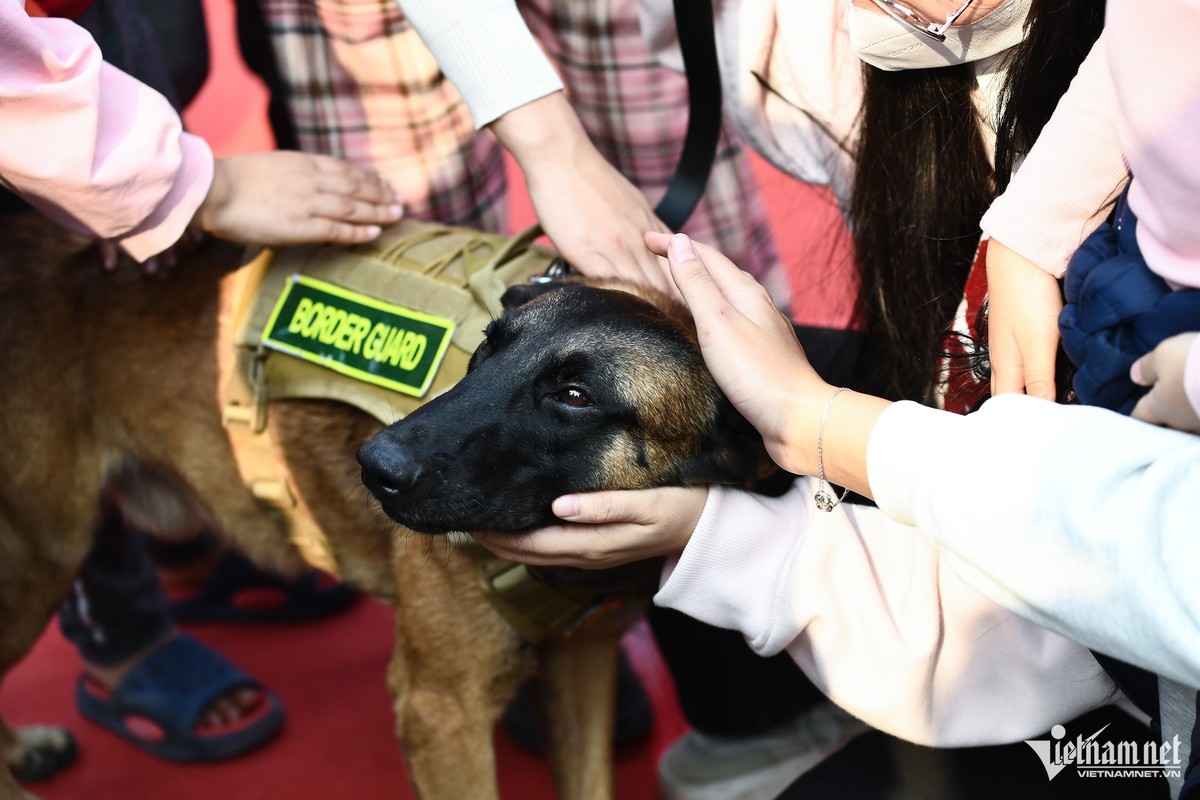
[383,327]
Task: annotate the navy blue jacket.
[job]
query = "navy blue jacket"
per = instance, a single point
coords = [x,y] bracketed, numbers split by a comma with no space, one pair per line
[1116,311]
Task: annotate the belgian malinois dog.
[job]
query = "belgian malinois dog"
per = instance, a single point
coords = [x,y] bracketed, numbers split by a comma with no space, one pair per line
[110,402]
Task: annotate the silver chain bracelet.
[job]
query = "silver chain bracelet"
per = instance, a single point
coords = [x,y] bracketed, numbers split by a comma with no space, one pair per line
[826,498]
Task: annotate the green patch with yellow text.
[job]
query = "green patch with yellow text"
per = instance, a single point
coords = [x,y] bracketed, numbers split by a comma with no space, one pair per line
[359,336]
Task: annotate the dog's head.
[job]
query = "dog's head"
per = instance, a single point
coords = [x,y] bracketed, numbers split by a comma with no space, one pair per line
[575,388]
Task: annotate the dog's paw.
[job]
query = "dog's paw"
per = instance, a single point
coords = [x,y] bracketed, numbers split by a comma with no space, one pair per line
[39,752]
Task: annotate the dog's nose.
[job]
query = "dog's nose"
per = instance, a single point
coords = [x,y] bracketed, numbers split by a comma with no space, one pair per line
[388,467]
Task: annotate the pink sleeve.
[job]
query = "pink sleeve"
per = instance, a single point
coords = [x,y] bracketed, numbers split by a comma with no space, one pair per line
[1159,92]
[872,614]
[87,144]
[1065,186]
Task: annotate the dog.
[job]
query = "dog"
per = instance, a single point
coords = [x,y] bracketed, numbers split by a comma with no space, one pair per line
[579,386]
[111,404]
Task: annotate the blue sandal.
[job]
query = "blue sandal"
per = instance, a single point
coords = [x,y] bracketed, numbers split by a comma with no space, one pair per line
[239,591]
[158,703]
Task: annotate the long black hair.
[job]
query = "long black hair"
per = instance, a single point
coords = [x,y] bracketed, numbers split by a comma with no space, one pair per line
[923,180]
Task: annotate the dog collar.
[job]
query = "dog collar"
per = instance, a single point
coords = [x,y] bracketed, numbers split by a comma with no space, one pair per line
[534,608]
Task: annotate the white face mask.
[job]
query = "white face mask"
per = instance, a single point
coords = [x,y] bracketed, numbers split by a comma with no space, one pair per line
[891,45]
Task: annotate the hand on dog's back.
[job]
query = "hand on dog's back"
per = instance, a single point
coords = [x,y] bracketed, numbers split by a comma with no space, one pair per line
[282,198]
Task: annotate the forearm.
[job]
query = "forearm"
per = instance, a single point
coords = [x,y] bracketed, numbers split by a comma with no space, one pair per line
[90,146]
[487,52]
[542,133]
[1084,522]
[595,217]
[866,608]
[839,446]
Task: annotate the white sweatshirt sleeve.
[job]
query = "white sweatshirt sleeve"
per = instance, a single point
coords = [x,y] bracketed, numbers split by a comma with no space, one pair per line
[869,611]
[487,52]
[1081,519]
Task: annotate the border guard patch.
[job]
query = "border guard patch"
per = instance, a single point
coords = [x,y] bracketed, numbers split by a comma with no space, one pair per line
[367,339]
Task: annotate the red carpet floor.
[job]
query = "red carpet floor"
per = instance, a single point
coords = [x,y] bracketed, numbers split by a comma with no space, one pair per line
[338,740]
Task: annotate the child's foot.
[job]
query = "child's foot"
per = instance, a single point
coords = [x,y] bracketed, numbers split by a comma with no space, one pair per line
[180,700]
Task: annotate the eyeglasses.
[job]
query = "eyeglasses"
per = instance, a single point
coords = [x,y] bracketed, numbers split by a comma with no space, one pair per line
[904,14]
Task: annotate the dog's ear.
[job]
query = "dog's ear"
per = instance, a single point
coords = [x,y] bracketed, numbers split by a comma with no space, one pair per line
[735,455]
[522,293]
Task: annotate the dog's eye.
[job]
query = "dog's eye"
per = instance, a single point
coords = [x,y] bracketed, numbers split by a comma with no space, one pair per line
[573,396]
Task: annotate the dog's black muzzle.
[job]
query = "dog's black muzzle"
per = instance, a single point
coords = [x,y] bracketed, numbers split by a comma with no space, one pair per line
[388,467]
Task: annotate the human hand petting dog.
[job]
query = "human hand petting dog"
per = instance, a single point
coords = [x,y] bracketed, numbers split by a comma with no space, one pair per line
[280,198]
[594,216]
[748,345]
[1169,369]
[286,197]
[751,350]
[606,529]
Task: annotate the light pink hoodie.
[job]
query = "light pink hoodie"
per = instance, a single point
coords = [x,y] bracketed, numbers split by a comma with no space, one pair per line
[1135,105]
[85,143]
[1154,69]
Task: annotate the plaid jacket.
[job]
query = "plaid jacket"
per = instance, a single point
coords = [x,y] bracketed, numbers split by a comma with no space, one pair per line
[358,83]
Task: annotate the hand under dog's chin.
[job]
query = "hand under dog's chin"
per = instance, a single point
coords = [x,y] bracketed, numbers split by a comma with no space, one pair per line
[509,521]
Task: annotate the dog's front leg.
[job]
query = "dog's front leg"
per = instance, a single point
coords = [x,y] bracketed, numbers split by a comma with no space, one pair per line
[455,666]
[38,749]
[578,682]
[35,576]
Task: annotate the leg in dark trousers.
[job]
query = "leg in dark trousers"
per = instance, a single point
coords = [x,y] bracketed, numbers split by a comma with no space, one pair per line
[163,690]
[757,723]
[724,687]
[117,607]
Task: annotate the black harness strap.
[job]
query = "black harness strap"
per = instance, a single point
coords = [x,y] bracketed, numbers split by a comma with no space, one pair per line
[694,23]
